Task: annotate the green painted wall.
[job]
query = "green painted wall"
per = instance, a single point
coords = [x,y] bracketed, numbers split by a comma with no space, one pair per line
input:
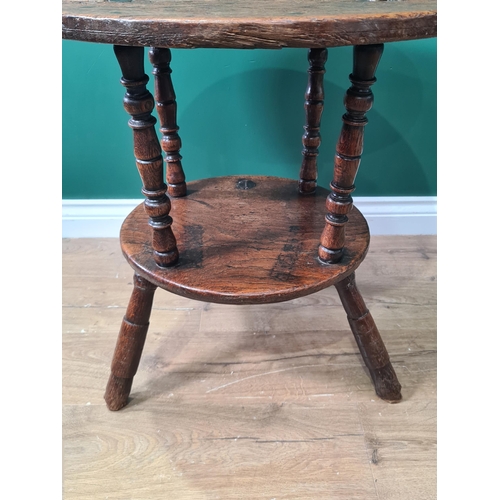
[241,112]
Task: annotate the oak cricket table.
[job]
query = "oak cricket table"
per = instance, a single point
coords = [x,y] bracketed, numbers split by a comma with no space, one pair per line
[256,239]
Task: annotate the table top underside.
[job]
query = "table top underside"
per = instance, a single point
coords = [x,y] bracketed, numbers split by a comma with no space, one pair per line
[248,24]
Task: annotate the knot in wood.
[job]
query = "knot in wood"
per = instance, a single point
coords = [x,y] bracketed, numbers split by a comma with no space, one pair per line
[245,184]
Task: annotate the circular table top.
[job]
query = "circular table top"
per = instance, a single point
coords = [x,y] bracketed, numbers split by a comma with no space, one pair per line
[248,23]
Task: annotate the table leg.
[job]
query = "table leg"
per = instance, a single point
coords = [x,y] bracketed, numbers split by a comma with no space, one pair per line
[139,103]
[166,107]
[358,100]
[369,341]
[130,344]
[313,106]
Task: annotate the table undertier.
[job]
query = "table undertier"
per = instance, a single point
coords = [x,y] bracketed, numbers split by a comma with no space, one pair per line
[245,240]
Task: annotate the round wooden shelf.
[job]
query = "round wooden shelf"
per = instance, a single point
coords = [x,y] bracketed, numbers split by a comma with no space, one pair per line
[245,240]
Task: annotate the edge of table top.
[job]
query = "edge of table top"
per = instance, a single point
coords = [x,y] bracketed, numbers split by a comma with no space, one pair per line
[257,24]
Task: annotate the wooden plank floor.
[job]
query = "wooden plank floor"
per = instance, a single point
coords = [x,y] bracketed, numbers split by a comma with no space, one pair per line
[251,402]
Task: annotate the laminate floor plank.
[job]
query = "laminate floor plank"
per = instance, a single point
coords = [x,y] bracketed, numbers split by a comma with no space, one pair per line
[249,402]
[211,450]
[402,446]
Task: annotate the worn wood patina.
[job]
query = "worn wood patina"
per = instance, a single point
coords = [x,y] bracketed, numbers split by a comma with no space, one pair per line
[243,24]
[248,239]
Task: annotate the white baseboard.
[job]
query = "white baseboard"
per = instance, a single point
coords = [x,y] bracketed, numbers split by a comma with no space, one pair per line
[399,214]
[385,215]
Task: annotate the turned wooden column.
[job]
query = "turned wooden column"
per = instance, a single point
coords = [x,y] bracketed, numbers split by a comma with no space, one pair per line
[139,103]
[313,106]
[358,100]
[166,107]
[370,343]
[130,343]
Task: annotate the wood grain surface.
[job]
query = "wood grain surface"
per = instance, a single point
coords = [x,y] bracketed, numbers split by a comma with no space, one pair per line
[358,101]
[247,402]
[243,24]
[244,240]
